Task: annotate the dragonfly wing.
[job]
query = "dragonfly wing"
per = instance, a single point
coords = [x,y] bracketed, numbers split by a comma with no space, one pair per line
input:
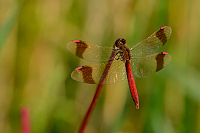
[92,73]
[147,65]
[88,51]
[153,43]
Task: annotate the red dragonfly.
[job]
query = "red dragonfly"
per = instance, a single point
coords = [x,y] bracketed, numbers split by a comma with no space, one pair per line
[141,60]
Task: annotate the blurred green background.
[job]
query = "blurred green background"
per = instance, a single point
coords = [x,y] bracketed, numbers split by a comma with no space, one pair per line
[35,66]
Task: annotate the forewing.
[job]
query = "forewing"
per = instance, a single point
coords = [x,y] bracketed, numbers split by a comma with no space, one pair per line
[92,73]
[153,43]
[88,51]
[147,65]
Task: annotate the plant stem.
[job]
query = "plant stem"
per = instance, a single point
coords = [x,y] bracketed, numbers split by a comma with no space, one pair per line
[103,77]
[89,112]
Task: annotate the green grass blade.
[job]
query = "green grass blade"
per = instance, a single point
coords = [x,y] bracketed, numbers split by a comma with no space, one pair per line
[8,24]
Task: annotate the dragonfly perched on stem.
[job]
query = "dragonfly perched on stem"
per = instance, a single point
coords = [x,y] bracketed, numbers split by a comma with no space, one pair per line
[119,62]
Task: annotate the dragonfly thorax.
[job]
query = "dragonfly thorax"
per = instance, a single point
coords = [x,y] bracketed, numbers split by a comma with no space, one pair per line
[122,52]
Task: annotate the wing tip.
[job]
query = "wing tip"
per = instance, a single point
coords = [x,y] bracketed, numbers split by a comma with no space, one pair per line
[78,68]
[164,52]
[68,44]
[164,34]
[76,40]
[163,27]
[73,41]
[168,30]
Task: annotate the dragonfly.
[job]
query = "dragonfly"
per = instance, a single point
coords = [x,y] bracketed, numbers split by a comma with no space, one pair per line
[119,62]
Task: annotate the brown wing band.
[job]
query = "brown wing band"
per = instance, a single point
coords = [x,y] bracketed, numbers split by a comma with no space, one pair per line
[80,48]
[87,74]
[160,61]
[161,35]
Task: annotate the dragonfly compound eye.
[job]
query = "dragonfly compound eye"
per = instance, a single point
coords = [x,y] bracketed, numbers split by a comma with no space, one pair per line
[120,41]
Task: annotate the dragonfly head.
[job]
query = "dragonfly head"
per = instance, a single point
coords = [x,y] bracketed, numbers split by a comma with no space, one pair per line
[119,43]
